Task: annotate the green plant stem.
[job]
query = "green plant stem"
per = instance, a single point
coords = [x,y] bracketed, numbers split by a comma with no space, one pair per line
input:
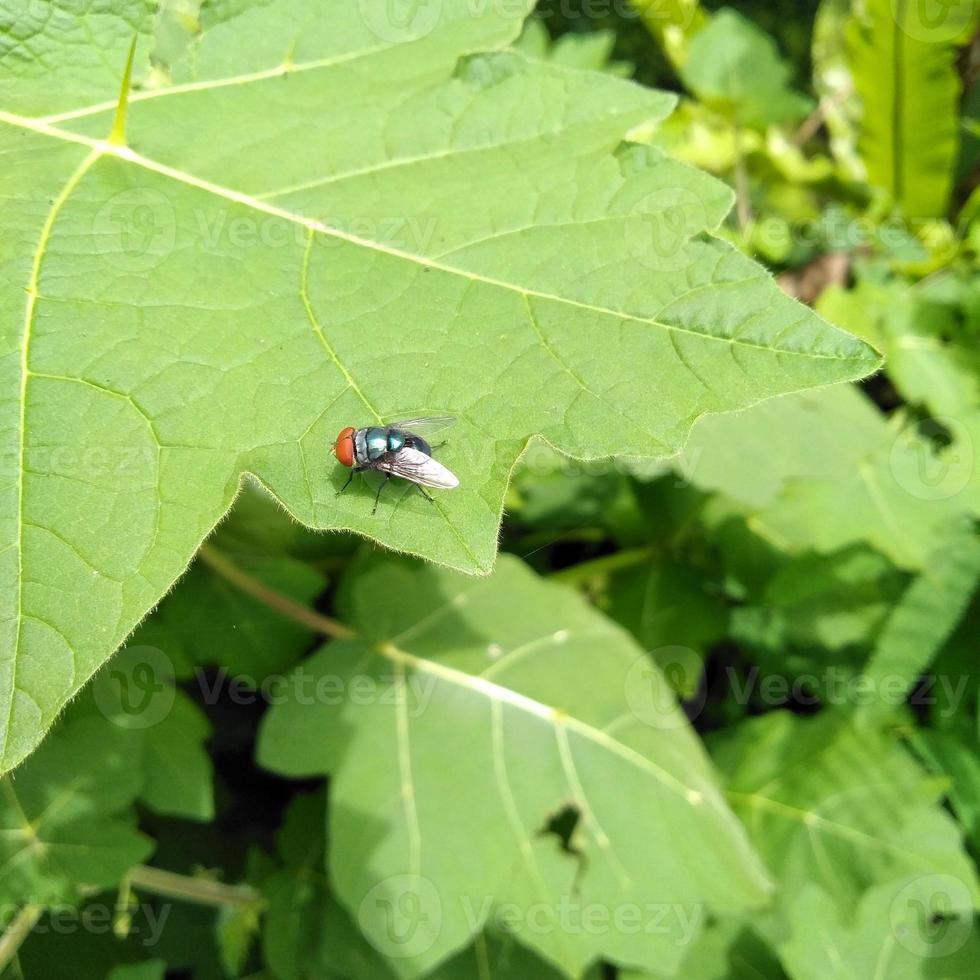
[17,932]
[275,600]
[201,891]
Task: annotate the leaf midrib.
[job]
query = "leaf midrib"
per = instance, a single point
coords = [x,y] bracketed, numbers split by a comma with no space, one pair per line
[124,153]
[494,692]
[811,818]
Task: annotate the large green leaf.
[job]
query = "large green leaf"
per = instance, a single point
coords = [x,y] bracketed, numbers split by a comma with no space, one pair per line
[333,215]
[464,721]
[902,56]
[926,615]
[828,602]
[824,469]
[920,928]
[929,333]
[840,805]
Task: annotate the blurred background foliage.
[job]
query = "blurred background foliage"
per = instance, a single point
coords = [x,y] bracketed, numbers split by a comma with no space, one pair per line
[789,551]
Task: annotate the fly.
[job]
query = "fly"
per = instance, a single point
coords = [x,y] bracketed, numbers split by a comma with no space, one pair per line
[396,449]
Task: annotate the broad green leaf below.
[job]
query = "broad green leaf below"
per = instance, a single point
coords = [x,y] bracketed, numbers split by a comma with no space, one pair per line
[306,933]
[856,476]
[819,602]
[919,928]
[330,217]
[839,805]
[516,701]
[925,616]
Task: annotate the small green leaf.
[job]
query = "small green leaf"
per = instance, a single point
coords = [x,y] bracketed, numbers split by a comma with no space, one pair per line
[834,85]
[902,57]
[67,821]
[137,693]
[236,930]
[735,66]
[178,776]
[831,602]
[664,603]
[928,332]
[672,23]
[208,622]
[590,51]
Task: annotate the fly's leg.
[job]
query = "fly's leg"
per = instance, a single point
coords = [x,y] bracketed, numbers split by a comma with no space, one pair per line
[377,496]
[421,490]
[346,485]
[356,469]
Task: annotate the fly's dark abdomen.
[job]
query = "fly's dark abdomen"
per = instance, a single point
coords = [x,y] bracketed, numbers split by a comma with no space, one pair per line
[417,442]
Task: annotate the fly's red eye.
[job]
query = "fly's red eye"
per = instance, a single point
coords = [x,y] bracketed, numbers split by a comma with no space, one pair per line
[343,448]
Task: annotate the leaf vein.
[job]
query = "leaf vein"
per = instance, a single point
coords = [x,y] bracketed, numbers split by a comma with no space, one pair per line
[31,305]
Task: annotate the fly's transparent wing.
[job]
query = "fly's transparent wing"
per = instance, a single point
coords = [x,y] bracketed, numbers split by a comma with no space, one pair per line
[424,426]
[410,464]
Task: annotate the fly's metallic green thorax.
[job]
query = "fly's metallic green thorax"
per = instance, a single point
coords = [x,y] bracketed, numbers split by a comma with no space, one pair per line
[372,443]
[376,442]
